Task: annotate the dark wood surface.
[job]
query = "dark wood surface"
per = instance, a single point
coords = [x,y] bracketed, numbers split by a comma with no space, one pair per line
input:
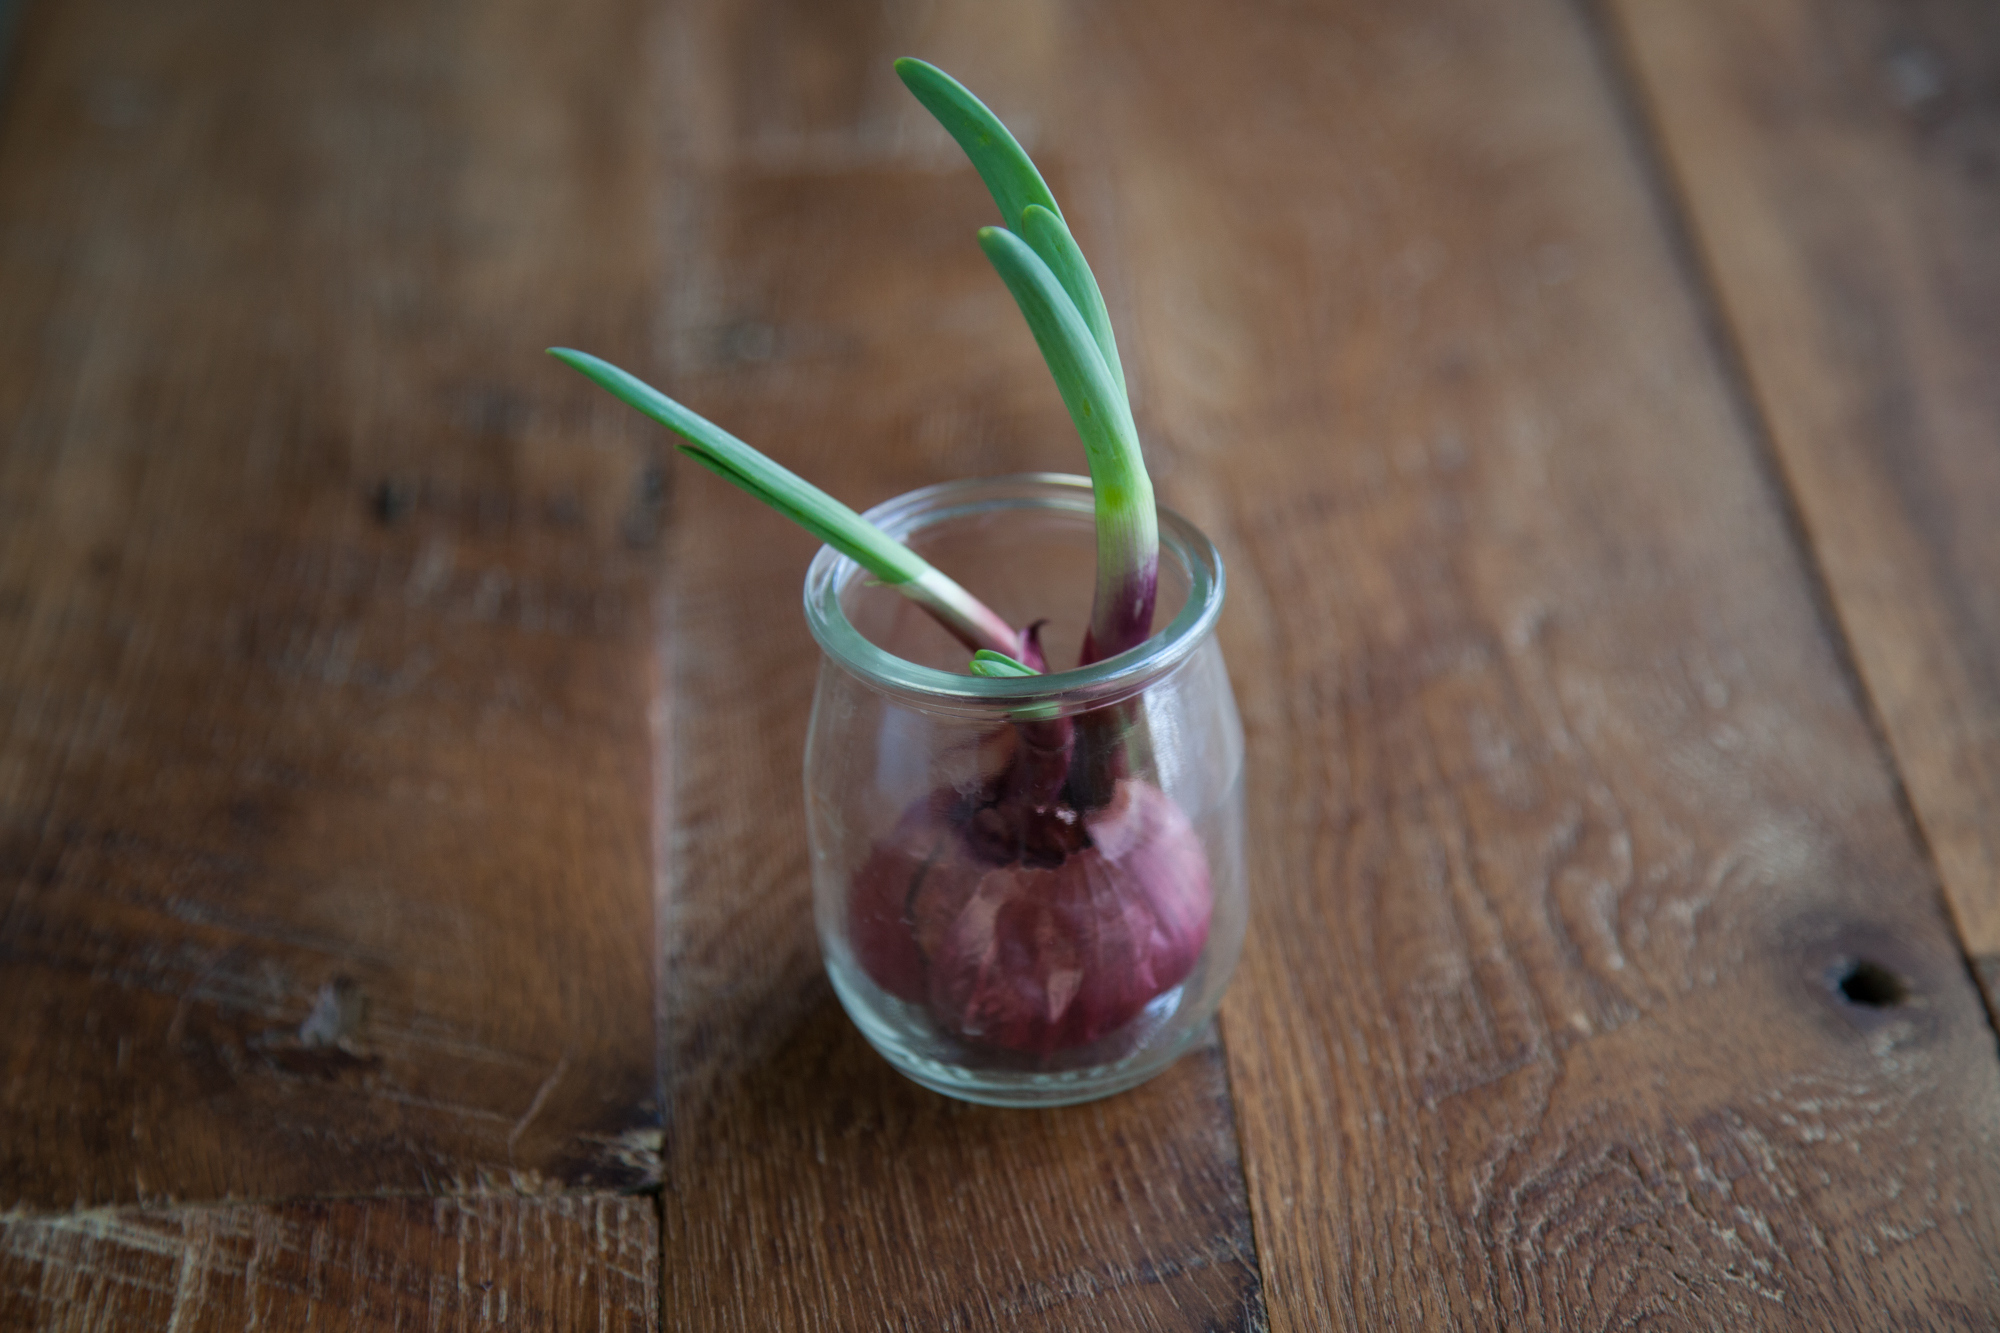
[1840,163]
[1575,817]
[324,650]
[400,826]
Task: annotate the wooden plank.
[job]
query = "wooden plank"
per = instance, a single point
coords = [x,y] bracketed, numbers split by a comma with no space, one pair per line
[1839,164]
[325,646]
[834,1194]
[830,304]
[583,1262]
[1595,977]
[9,18]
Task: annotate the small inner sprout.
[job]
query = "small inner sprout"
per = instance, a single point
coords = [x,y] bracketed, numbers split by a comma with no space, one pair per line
[986,662]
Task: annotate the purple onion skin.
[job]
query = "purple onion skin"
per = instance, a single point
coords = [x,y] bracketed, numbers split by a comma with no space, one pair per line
[885,887]
[1122,617]
[1034,929]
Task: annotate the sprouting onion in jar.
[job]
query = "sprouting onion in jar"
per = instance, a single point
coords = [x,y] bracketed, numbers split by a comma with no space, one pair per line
[1050,905]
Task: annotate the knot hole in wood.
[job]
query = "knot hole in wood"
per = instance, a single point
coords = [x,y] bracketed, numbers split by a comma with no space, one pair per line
[1869,984]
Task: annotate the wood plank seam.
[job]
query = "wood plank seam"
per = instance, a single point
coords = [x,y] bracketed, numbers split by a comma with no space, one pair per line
[1257,1315]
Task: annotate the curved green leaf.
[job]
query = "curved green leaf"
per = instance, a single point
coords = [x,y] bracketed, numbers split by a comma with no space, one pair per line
[970,620]
[1102,416]
[777,486]
[1128,532]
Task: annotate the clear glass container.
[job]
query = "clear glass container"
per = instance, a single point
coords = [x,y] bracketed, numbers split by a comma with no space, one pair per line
[1030,891]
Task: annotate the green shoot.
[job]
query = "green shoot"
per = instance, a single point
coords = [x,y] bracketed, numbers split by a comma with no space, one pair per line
[1016,186]
[964,616]
[1046,232]
[1039,260]
[988,663]
[1128,531]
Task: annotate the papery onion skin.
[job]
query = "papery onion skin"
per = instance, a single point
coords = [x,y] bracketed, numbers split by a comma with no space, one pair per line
[1034,930]
[878,908]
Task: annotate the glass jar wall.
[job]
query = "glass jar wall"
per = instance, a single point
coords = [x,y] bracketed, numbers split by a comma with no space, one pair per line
[1028,891]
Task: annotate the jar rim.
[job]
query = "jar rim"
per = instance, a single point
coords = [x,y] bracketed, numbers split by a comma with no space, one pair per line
[1097,685]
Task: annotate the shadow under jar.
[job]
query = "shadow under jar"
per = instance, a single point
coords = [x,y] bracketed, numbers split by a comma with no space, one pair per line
[1029,891]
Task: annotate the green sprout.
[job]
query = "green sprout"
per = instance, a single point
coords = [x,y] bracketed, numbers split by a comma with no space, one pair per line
[998,666]
[1051,282]
[1065,892]
[965,616]
[1038,259]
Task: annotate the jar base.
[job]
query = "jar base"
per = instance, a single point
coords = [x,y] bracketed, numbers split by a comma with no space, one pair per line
[992,1083]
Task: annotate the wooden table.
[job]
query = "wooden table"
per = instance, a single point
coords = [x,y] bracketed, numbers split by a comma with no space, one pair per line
[403,908]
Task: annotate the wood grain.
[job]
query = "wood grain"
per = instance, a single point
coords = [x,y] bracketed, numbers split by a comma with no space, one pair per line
[1840,161]
[1596,979]
[837,1195]
[325,604]
[431,1265]
[830,304]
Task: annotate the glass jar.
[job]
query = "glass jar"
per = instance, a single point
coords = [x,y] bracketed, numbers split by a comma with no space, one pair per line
[1029,891]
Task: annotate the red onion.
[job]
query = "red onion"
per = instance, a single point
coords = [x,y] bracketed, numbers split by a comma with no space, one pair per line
[1034,929]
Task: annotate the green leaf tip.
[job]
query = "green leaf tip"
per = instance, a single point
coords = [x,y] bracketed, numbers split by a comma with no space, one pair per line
[996,154]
